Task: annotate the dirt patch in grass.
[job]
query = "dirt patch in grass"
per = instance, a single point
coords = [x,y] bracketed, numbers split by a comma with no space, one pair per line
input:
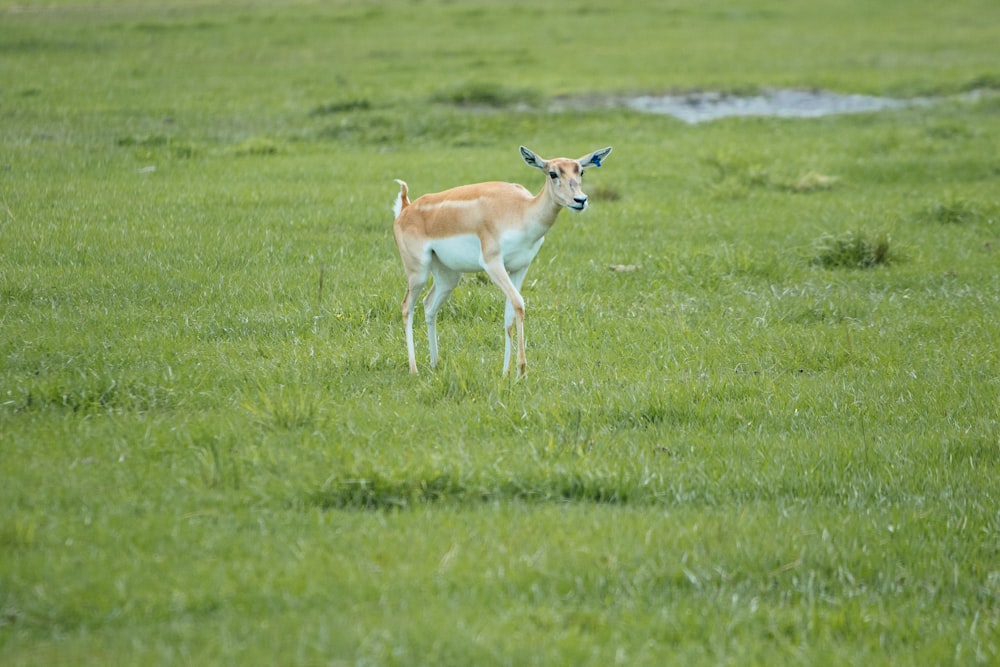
[704,106]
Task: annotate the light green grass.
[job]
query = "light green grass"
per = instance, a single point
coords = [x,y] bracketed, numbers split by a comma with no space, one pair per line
[211,451]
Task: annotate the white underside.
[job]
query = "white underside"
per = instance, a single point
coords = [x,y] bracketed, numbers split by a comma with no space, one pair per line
[458,253]
[465,253]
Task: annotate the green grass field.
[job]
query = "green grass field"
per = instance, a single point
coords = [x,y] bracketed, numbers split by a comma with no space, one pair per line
[774,439]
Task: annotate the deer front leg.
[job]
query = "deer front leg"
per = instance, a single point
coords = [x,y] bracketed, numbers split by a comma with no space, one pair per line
[517,279]
[498,274]
[508,335]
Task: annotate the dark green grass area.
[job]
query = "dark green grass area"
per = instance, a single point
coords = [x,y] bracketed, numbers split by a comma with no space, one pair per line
[761,423]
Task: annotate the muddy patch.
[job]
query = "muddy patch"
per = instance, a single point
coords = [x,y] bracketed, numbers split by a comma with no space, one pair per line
[707,106]
[704,106]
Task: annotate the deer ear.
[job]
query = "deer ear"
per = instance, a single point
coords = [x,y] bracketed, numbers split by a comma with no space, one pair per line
[531,159]
[595,158]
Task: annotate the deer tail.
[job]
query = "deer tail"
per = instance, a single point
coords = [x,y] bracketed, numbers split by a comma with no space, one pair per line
[402,199]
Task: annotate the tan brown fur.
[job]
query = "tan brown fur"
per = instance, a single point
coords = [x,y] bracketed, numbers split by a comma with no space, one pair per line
[434,235]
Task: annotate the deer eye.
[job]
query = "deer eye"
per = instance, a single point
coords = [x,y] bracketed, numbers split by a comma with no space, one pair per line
[553,175]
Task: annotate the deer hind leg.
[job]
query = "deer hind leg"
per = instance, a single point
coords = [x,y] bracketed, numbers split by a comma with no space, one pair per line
[409,303]
[415,281]
[445,281]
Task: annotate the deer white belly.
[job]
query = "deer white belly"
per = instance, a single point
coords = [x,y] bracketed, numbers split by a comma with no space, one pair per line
[459,253]
[465,253]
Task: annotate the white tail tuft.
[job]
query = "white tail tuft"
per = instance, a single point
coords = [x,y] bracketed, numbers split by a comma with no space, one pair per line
[402,199]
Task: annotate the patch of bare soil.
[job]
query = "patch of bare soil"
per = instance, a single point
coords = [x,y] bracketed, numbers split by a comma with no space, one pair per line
[703,106]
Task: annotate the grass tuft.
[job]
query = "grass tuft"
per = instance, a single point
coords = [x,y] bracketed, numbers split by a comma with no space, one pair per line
[158,144]
[735,176]
[343,106]
[812,181]
[854,250]
[287,409]
[375,491]
[952,211]
[987,81]
[487,94]
[256,147]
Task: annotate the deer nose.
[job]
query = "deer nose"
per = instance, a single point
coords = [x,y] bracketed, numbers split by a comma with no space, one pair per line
[580,199]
